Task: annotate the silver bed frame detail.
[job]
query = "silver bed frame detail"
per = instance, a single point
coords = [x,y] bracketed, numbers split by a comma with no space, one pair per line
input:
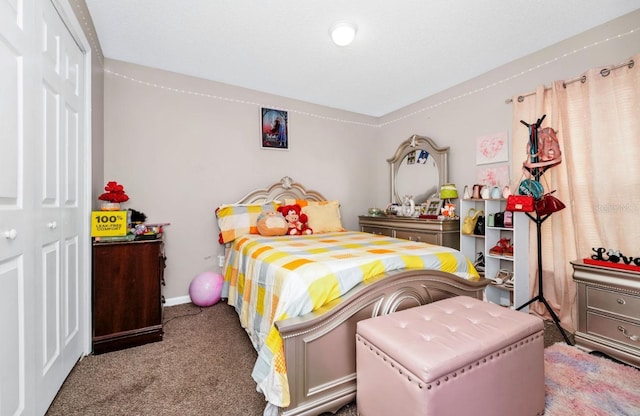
[320,347]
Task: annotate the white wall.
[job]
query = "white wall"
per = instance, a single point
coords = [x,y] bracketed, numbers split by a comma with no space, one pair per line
[179,154]
[97,100]
[475,108]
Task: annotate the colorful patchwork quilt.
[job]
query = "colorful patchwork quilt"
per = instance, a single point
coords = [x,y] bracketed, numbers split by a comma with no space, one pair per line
[268,279]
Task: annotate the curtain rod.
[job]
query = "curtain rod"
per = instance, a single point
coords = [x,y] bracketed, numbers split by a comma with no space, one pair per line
[603,72]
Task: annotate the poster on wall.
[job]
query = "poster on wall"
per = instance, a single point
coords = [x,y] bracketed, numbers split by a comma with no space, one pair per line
[494,175]
[492,148]
[275,129]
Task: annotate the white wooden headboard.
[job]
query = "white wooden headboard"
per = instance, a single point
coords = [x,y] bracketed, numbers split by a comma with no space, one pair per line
[286,188]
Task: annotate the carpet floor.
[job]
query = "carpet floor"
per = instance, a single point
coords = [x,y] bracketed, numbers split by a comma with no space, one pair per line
[578,383]
[202,367]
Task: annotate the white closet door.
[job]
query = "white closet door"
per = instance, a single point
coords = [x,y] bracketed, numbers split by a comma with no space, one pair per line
[44,246]
[18,121]
[58,216]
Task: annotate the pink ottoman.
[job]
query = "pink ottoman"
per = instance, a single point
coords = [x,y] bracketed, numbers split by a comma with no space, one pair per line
[458,356]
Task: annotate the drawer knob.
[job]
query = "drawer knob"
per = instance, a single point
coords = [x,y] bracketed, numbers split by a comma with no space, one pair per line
[622,329]
[620,301]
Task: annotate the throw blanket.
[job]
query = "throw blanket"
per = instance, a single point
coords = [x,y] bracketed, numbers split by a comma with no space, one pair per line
[268,279]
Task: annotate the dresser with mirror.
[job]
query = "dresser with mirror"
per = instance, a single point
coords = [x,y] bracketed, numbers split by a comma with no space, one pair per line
[418,168]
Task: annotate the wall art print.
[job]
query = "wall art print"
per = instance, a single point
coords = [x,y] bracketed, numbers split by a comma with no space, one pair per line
[494,175]
[275,129]
[492,148]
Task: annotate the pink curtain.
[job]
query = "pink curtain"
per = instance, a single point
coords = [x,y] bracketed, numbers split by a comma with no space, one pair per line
[597,120]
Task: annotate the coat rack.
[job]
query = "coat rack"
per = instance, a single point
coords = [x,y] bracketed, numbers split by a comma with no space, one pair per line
[537,172]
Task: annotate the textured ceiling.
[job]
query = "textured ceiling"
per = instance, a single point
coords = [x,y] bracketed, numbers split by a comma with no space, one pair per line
[404,51]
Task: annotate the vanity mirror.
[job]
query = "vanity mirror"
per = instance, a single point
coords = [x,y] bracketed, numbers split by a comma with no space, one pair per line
[418,168]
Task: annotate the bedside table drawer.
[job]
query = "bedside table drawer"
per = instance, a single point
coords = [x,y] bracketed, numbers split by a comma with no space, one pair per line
[415,236]
[616,303]
[620,331]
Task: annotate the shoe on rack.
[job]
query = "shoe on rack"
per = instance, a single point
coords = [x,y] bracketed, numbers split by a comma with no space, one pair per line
[500,247]
[496,250]
[502,277]
[509,282]
[508,250]
[479,263]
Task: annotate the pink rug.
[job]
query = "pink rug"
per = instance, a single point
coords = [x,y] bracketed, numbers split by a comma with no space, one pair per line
[578,383]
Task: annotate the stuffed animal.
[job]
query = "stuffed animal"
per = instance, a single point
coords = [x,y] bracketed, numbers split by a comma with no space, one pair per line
[272,223]
[296,220]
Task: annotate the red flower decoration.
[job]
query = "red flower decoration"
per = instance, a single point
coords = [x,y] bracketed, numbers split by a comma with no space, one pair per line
[114,193]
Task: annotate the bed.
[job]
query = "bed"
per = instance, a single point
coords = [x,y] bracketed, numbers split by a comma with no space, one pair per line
[317,346]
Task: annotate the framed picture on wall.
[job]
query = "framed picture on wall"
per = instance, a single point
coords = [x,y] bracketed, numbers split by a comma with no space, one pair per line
[492,148]
[497,175]
[275,129]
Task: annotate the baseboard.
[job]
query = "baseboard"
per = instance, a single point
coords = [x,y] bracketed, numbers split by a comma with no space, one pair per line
[177,301]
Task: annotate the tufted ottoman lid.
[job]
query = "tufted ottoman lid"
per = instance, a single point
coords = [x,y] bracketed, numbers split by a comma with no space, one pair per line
[437,338]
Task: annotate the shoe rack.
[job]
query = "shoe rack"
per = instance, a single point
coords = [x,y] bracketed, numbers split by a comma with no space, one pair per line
[516,264]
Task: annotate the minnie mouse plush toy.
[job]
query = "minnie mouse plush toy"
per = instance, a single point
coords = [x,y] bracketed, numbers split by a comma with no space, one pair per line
[296,220]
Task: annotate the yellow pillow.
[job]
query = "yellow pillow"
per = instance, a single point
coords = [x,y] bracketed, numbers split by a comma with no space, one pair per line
[301,202]
[305,202]
[324,218]
[235,220]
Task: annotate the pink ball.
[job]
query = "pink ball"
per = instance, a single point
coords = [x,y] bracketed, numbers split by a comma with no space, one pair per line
[205,288]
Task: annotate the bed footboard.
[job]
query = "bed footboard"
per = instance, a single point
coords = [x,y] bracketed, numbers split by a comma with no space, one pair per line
[320,347]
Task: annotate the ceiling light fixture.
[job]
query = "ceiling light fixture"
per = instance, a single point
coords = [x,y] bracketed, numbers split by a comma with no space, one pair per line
[343,33]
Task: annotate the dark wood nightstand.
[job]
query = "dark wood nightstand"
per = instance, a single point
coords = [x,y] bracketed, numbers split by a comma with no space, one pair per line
[127,294]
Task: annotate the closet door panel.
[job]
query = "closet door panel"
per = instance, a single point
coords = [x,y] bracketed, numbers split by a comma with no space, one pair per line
[72,83]
[48,220]
[12,360]
[17,257]
[59,220]
[44,243]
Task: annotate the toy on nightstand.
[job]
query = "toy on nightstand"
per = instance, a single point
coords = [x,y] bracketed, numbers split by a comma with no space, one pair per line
[449,210]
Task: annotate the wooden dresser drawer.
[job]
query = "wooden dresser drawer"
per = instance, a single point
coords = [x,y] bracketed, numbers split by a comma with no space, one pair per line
[608,311]
[432,231]
[620,331]
[617,303]
[416,236]
[377,230]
